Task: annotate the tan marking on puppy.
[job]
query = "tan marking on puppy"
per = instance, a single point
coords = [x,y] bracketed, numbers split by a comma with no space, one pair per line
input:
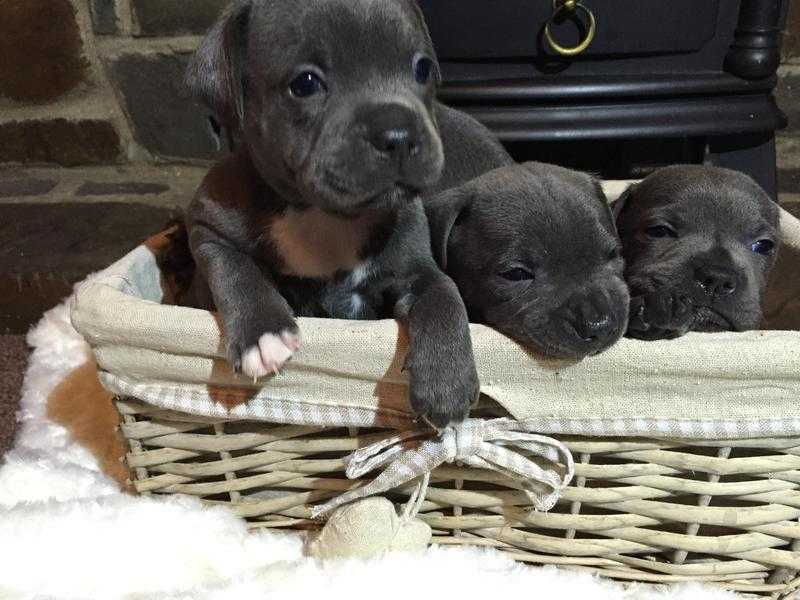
[313,243]
[85,409]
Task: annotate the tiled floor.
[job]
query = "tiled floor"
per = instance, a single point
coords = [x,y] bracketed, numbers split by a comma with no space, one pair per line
[13,356]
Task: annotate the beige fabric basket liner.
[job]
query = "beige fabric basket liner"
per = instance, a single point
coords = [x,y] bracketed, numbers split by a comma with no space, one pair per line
[731,385]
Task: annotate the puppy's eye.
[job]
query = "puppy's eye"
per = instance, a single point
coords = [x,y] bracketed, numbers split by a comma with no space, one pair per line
[764,247]
[517,274]
[306,84]
[423,67]
[660,231]
[613,254]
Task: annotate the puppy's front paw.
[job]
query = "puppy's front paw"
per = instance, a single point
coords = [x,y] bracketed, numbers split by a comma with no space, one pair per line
[659,316]
[270,354]
[442,390]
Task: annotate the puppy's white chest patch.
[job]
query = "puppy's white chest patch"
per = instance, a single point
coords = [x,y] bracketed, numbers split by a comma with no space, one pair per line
[313,243]
[356,306]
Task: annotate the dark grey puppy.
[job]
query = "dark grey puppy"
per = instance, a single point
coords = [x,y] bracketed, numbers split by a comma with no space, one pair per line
[533,250]
[698,244]
[318,211]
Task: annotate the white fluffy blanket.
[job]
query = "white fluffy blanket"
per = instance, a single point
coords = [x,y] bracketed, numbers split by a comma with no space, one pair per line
[66,531]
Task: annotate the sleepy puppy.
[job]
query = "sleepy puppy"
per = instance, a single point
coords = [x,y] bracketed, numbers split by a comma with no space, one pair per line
[698,244]
[533,250]
[317,212]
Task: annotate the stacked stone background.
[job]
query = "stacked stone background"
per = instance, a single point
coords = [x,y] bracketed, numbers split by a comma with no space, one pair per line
[89,82]
[97,85]
[101,81]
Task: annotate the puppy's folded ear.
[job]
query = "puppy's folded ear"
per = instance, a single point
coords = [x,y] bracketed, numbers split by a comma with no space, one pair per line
[216,72]
[619,204]
[600,195]
[443,212]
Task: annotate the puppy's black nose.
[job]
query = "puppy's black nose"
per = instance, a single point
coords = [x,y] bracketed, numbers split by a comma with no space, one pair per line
[596,329]
[392,141]
[391,129]
[590,324]
[715,280]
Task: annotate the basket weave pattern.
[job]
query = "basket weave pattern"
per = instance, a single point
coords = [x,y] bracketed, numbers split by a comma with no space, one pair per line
[639,509]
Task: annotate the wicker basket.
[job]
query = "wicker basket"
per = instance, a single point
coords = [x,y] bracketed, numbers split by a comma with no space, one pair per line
[663,507]
[639,509]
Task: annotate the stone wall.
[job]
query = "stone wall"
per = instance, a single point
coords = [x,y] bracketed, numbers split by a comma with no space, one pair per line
[86,82]
[791,41]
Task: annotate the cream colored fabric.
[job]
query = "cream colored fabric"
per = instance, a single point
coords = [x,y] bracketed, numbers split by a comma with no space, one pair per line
[348,373]
[367,528]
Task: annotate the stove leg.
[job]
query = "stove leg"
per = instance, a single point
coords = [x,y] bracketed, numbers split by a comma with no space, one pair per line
[753,154]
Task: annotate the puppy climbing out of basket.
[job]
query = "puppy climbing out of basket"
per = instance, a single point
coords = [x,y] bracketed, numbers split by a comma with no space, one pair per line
[534,252]
[331,107]
[698,243]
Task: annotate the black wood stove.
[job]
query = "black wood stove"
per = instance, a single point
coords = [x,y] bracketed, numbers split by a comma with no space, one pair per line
[618,87]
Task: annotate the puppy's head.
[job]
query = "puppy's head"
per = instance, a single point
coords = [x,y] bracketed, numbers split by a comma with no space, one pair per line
[698,244]
[332,98]
[534,253]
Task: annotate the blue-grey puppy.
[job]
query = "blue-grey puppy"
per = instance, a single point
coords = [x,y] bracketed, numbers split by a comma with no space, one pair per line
[533,250]
[318,211]
[698,243]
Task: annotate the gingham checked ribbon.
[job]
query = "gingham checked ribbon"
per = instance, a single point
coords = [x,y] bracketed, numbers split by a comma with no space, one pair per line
[485,444]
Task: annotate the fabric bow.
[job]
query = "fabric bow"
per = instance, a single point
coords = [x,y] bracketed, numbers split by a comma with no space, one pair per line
[484,444]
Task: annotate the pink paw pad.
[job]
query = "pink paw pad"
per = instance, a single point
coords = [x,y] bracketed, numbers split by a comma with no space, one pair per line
[270,354]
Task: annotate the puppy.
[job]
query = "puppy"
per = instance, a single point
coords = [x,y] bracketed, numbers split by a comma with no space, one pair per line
[698,244]
[331,108]
[533,250]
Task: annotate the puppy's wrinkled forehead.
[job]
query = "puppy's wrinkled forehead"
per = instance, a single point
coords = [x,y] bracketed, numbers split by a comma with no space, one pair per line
[703,197]
[544,206]
[344,36]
